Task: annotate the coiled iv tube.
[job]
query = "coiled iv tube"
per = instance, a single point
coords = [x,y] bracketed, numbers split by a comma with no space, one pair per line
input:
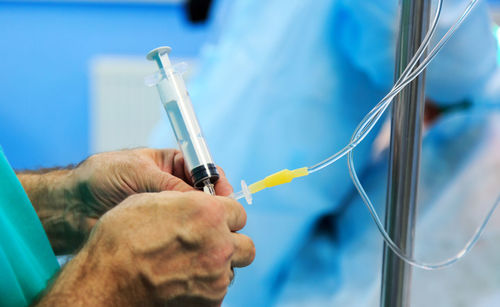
[369,121]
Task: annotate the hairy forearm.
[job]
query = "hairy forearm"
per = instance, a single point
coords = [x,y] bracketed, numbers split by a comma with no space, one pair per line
[97,277]
[54,197]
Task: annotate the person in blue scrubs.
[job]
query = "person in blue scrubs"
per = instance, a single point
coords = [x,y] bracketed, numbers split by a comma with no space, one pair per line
[154,240]
[284,87]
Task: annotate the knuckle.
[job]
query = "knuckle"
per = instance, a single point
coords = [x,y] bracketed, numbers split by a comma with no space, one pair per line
[218,258]
[225,252]
[216,215]
[200,210]
[189,240]
[217,207]
[222,283]
[212,212]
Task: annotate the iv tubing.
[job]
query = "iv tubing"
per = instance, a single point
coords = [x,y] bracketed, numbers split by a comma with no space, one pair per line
[376,112]
[365,127]
[382,105]
[367,124]
[374,115]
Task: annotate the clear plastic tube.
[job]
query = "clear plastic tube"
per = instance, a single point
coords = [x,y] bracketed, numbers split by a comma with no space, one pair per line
[379,108]
[393,246]
[366,125]
[406,77]
[369,121]
[372,117]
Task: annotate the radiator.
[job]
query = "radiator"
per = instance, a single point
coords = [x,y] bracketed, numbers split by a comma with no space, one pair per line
[123,111]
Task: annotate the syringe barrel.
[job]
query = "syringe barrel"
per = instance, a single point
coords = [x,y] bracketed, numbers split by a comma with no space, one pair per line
[177,104]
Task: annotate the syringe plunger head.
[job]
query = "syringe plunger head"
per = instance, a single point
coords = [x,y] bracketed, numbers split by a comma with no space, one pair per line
[160,56]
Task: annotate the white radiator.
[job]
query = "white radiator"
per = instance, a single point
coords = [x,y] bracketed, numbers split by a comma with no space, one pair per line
[123,111]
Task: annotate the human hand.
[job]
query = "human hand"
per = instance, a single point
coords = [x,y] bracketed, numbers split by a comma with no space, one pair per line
[106,179]
[167,249]
[70,201]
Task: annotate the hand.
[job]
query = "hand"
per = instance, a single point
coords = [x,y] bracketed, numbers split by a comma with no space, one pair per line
[106,179]
[70,201]
[169,248]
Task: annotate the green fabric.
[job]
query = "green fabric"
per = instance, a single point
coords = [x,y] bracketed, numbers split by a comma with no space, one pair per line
[27,261]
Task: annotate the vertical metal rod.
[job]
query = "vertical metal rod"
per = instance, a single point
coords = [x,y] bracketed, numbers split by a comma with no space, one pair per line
[406,126]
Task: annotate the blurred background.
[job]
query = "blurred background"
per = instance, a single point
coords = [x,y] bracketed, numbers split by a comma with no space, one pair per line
[72,84]
[72,72]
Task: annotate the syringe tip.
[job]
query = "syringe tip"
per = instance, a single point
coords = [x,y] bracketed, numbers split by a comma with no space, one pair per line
[208,187]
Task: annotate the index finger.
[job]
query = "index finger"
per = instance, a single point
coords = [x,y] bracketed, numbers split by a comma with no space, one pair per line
[236,216]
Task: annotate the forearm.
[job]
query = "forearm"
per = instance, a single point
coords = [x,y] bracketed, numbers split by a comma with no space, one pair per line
[60,210]
[95,277]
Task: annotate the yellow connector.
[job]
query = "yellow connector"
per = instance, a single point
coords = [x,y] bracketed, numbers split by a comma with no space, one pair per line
[278,178]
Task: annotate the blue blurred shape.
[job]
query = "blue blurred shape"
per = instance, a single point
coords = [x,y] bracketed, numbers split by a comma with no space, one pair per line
[45,53]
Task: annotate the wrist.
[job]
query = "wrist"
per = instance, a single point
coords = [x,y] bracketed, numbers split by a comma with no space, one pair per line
[55,198]
[101,274]
[122,281]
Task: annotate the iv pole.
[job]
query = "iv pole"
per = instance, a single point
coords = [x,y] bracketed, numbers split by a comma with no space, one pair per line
[406,127]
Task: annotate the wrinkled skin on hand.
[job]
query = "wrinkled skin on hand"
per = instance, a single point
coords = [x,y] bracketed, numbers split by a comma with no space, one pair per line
[179,247]
[104,180]
[70,201]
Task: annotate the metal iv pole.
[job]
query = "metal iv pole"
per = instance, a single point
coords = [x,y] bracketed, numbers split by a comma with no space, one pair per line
[406,126]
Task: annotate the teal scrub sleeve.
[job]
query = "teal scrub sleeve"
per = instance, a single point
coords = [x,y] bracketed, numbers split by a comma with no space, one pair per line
[27,261]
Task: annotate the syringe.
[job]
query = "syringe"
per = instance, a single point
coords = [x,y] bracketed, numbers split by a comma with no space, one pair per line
[176,101]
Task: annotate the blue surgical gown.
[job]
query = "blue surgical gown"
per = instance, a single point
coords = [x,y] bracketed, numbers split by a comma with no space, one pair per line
[284,86]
